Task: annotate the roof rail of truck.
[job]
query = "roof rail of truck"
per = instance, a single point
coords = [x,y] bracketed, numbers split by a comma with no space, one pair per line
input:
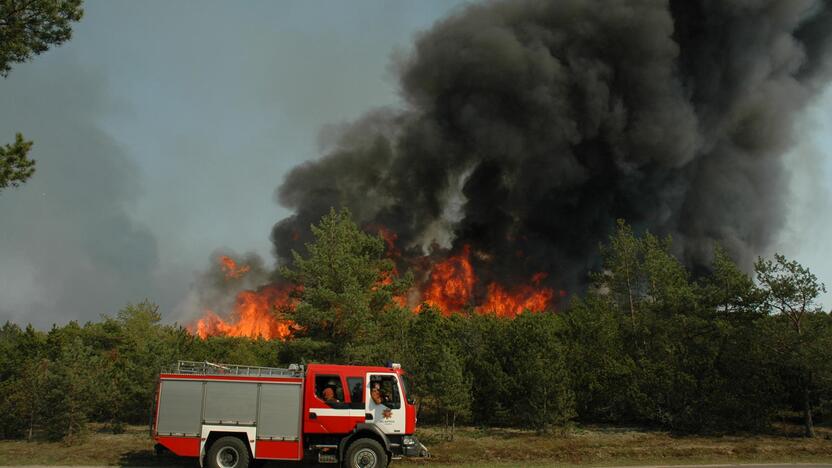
[210,368]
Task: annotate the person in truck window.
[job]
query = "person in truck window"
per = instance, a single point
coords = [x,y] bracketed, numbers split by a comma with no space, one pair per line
[329,392]
[329,395]
[380,411]
[375,393]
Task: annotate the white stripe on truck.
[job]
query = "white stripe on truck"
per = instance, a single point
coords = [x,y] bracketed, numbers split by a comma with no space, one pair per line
[352,413]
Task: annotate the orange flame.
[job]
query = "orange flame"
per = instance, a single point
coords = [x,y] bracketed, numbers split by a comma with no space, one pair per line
[254,313]
[232,271]
[392,252]
[386,279]
[505,303]
[451,287]
[451,283]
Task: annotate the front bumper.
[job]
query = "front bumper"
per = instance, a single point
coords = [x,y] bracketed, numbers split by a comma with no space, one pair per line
[411,447]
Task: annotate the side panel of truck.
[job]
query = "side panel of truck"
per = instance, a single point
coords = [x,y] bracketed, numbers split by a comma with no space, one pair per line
[232,403]
[278,422]
[267,412]
[180,408]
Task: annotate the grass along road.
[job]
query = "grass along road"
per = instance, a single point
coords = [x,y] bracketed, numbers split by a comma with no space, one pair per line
[480,448]
[617,446]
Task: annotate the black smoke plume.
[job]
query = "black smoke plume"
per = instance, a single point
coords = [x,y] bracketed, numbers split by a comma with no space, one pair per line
[531,126]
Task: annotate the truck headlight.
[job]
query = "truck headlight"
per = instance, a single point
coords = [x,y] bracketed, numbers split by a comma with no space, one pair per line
[408,440]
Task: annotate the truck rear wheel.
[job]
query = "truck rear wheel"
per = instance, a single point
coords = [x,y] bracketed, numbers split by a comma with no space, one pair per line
[365,453]
[228,452]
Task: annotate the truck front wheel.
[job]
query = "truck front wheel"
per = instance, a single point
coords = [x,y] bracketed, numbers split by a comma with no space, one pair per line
[365,453]
[228,452]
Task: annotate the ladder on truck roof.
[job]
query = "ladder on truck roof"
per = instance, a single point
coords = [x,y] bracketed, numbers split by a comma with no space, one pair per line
[210,368]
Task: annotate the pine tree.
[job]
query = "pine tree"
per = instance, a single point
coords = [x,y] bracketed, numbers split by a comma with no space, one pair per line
[790,290]
[439,370]
[347,286]
[71,387]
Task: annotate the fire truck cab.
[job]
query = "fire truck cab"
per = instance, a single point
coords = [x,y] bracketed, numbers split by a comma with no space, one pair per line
[230,415]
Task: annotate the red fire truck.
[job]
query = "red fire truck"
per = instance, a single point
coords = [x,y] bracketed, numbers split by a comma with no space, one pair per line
[230,415]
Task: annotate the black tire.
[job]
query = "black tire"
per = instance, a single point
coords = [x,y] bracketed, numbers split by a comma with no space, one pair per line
[228,452]
[365,453]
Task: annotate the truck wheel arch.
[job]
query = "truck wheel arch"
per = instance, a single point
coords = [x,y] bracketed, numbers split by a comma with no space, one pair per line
[213,436]
[363,450]
[237,447]
[364,431]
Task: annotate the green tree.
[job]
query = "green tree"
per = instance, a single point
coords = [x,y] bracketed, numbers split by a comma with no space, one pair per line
[347,287]
[71,387]
[11,365]
[15,166]
[441,382]
[27,394]
[730,291]
[541,392]
[622,274]
[23,368]
[741,387]
[517,369]
[29,28]
[789,291]
[141,348]
[669,289]
[821,364]
[601,371]
[483,341]
[684,354]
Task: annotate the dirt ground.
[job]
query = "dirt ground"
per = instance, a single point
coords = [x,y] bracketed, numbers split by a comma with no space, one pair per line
[474,447]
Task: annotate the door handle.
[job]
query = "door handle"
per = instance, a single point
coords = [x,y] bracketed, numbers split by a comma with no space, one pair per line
[313,416]
[368,416]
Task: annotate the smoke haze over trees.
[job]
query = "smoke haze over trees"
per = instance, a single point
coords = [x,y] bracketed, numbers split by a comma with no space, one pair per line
[532,126]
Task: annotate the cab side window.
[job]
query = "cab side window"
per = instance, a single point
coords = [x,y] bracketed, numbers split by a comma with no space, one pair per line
[356,388]
[388,388]
[330,389]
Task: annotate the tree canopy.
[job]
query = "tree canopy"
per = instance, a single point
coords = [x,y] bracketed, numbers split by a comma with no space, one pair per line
[15,166]
[346,289]
[30,27]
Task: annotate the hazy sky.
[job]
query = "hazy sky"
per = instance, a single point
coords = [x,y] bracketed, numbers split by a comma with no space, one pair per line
[162,129]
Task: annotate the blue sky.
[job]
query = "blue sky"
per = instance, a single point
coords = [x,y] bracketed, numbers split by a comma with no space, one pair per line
[163,128]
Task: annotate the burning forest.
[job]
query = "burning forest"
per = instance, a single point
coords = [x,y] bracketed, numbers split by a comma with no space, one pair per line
[529,127]
[450,285]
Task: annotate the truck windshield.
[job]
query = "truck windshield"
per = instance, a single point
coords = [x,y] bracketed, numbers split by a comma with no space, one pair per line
[407,381]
